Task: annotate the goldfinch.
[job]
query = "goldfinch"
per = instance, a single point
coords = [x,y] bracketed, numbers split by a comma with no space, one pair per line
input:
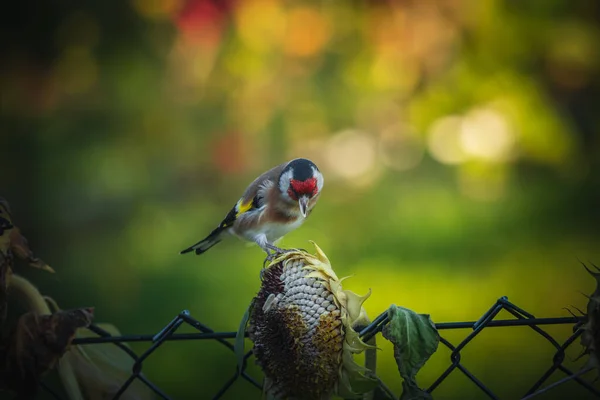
[275,203]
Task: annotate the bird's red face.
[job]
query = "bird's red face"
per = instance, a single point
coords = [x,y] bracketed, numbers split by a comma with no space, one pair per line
[298,188]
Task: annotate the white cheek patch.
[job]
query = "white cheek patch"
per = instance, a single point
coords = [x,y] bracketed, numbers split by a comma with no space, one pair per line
[320,179]
[284,181]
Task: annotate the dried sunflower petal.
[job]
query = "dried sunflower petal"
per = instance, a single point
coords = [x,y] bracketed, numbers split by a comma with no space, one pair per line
[301,325]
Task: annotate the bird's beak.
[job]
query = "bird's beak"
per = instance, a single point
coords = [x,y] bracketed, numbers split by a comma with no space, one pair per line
[303,203]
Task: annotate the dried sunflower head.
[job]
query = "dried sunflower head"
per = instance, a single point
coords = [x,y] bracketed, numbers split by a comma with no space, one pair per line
[301,324]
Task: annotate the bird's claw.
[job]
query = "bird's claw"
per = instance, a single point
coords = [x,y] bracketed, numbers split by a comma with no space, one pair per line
[273,253]
[274,249]
[283,251]
[262,272]
[270,257]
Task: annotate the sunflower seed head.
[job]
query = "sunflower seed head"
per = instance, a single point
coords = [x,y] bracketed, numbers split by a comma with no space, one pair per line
[299,327]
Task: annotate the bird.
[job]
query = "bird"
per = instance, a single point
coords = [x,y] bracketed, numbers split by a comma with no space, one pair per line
[274,204]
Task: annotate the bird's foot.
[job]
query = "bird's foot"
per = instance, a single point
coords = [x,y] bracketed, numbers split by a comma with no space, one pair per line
[268,259]
[275,250]
[272,253]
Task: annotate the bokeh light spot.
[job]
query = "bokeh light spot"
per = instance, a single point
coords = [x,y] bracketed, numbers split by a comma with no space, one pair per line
[200,23]
[444,140]
[351,154]
[394,72]
[261,24]
[486,134]
[307,32]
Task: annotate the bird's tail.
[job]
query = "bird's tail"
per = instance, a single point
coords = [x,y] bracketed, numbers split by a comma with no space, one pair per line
[206,243]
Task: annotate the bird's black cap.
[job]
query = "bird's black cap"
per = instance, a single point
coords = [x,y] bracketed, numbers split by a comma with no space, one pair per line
[303,168]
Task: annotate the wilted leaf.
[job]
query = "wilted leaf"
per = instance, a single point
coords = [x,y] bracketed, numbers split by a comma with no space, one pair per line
[415,339]
[34,347]
[21,249]
[12,243]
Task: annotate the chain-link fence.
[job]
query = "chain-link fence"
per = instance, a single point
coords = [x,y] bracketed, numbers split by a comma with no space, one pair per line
[522,318]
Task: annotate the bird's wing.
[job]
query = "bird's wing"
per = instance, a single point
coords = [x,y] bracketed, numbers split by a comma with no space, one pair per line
[254,197]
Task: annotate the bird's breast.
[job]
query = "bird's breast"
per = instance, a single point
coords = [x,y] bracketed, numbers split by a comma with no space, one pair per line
[276,230]
[271,223]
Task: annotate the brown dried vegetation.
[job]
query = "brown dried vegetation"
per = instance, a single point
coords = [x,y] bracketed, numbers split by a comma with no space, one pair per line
[34,347]
[38,339]
[12,243]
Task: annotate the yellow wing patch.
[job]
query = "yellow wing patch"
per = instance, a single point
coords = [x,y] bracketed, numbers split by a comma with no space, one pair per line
[237,210]
[243,207]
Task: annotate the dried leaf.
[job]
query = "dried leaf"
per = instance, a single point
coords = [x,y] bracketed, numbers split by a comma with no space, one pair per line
[21,249]
[34,347]
[12,243]
[415,339]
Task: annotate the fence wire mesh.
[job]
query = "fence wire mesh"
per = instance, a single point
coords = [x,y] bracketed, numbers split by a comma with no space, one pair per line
[522,318]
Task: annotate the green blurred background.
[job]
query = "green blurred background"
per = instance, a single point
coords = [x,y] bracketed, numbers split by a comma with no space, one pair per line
[458,139]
